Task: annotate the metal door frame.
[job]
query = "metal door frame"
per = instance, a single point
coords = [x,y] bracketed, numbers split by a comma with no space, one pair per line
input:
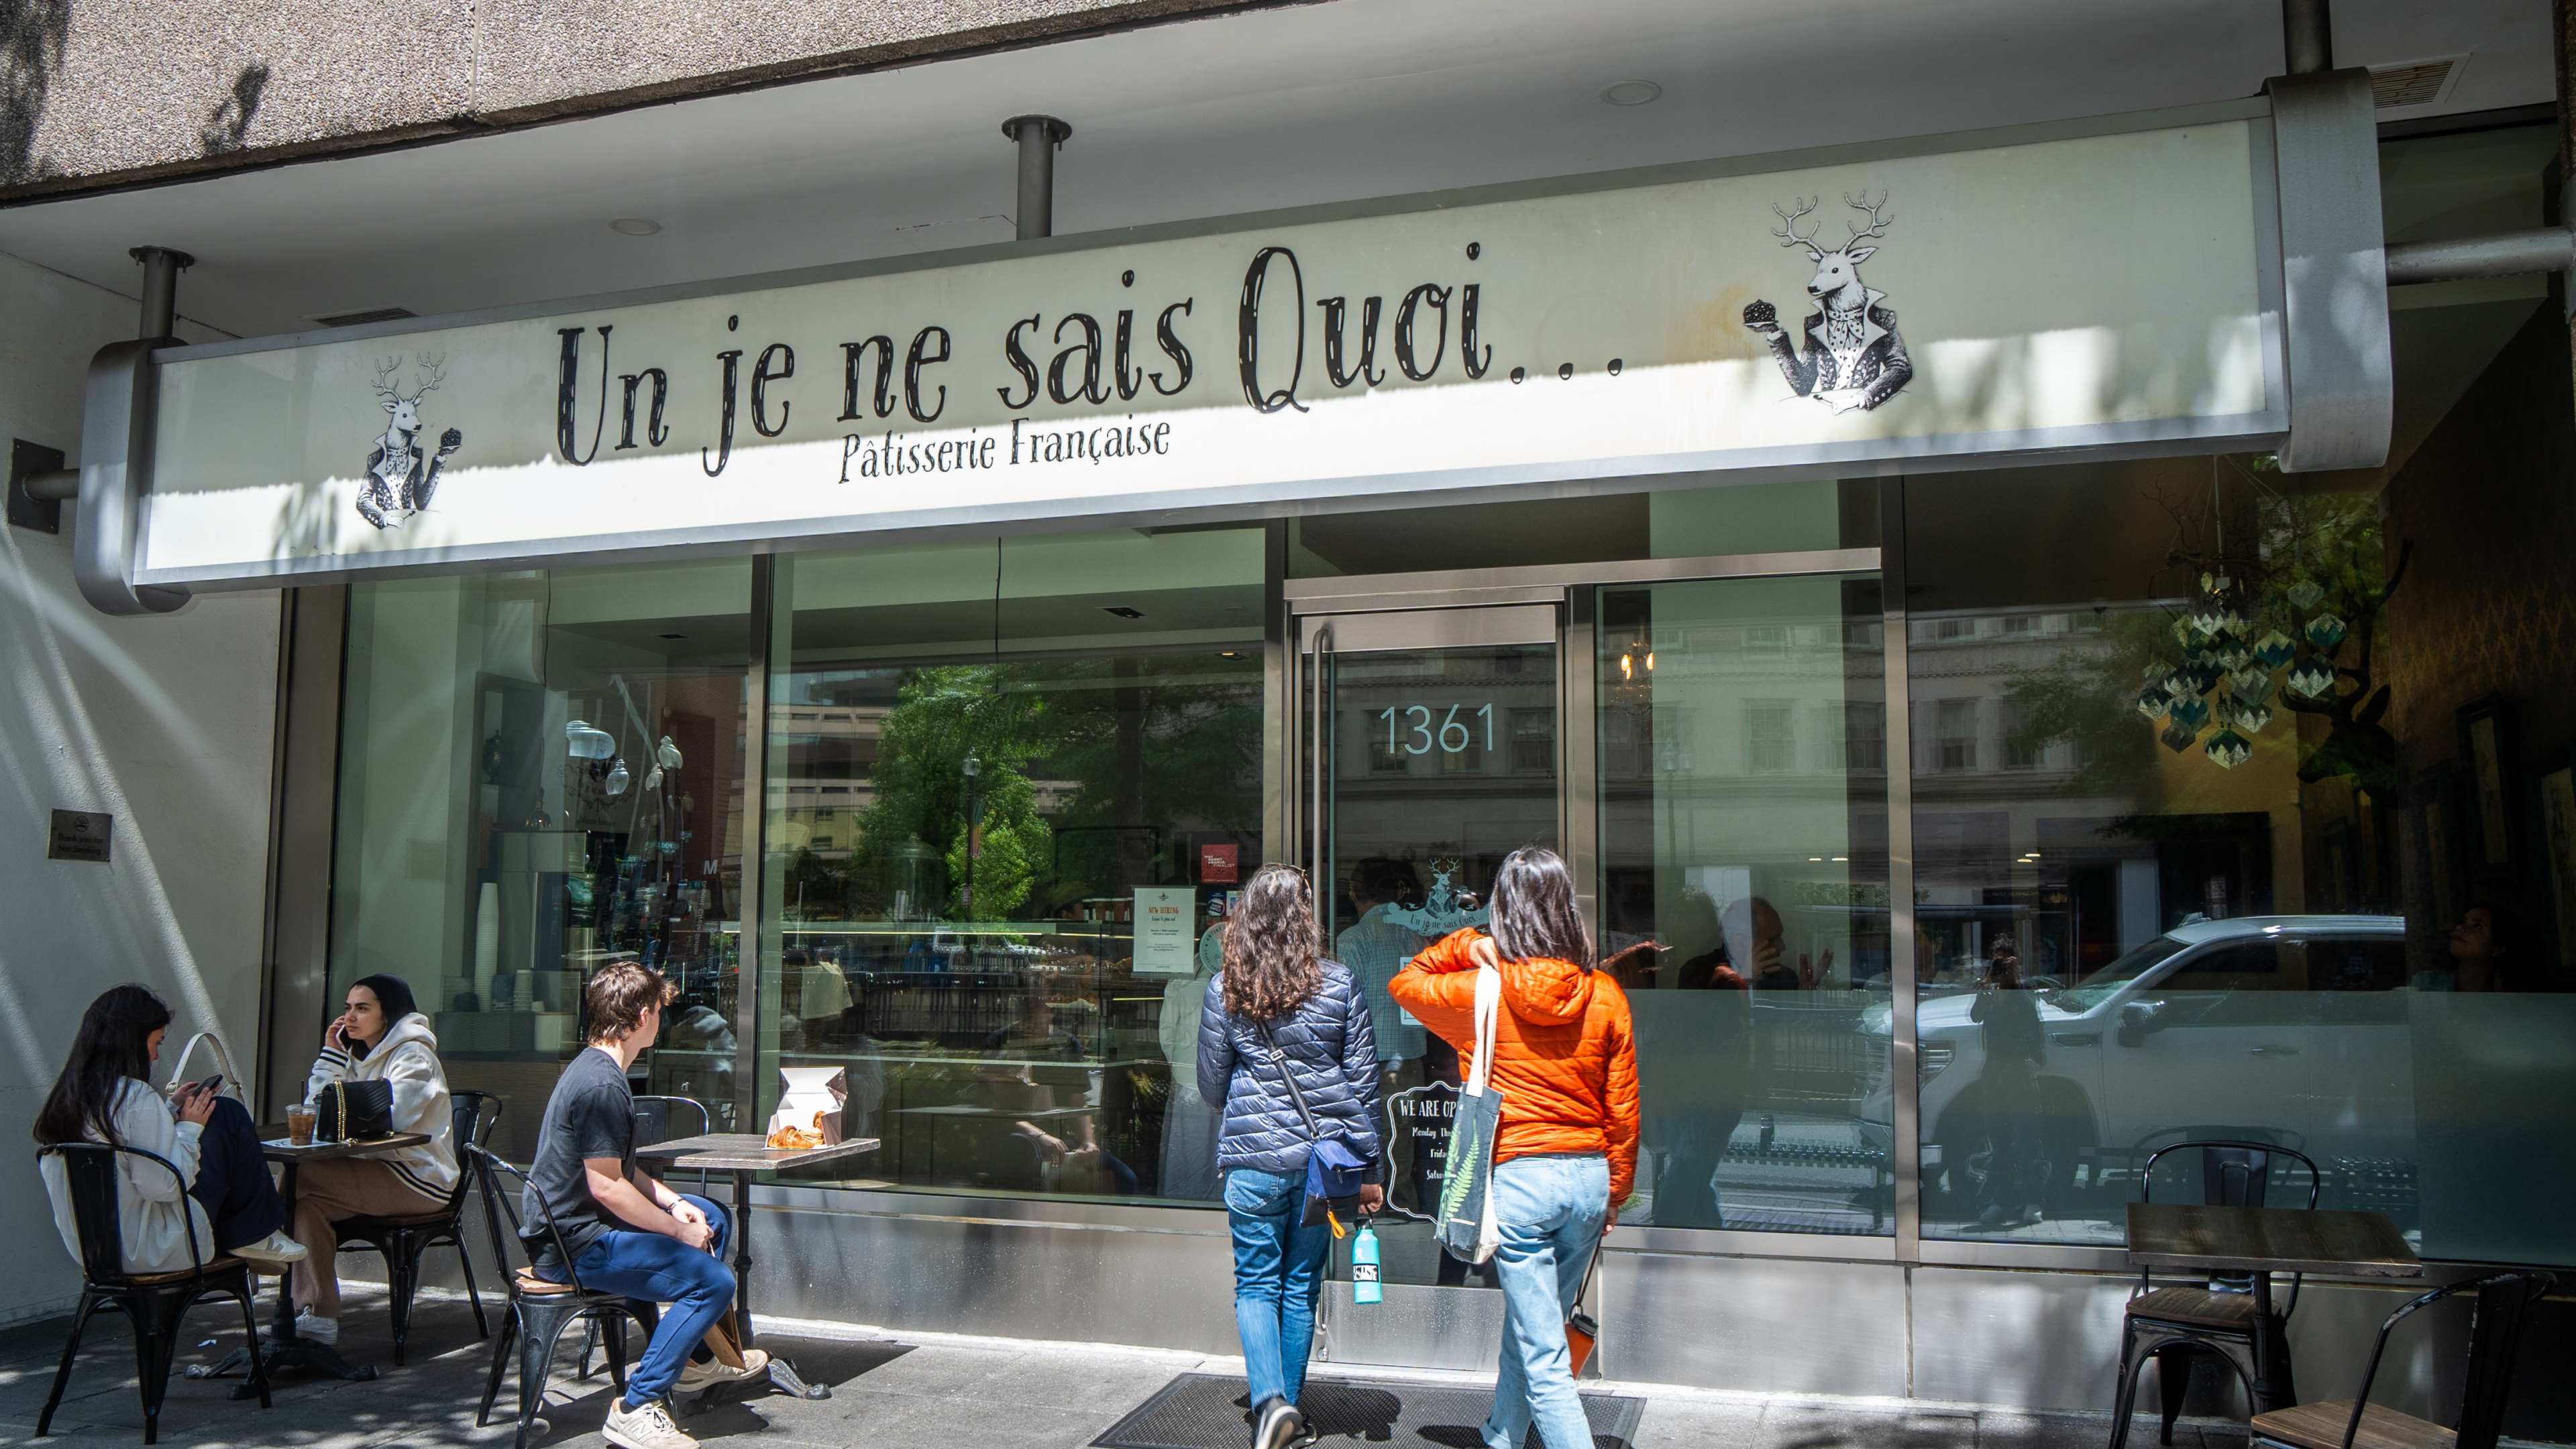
[1313,608]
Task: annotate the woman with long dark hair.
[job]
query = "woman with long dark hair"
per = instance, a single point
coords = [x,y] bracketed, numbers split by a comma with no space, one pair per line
[1282,1014]
[1565,1061]
[379,1036]
[104,1095]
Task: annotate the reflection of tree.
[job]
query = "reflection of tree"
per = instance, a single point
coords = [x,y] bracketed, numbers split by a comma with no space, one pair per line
[1148,741]
[2088,695]
[2312,570]
[940,716]
[817,889]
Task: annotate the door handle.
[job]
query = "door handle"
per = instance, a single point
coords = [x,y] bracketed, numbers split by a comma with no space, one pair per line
[1321,745]
[2076,1038]
[2273,1051]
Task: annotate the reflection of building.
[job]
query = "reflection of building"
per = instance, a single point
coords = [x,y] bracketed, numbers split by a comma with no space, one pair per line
[2006,838]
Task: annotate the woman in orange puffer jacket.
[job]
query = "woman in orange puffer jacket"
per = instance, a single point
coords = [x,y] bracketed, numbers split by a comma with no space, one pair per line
[1565,1062]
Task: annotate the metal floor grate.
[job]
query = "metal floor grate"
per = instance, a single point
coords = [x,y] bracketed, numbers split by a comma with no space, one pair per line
[1206,1411]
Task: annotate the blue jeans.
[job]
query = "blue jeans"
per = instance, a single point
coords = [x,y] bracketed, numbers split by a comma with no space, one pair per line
[1550,1211]
[694,1281]
[1278,1271]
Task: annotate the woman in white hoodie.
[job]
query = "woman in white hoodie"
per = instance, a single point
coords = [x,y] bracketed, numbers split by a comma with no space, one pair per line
[380,1037]
[223,1201]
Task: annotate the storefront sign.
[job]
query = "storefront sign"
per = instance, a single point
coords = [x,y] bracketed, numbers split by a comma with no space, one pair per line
[1163,920]
[1417,1143]
[1813,313]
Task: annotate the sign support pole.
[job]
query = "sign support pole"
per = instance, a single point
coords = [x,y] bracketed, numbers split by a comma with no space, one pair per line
[1038,137]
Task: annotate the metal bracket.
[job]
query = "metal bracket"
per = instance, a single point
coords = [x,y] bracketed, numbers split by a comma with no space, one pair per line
[117,424]
[2334,272]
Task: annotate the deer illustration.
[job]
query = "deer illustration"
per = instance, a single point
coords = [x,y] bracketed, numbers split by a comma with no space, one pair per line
[399,478]
[1855,357]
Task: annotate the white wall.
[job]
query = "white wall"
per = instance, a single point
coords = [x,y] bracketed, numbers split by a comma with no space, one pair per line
[164,723]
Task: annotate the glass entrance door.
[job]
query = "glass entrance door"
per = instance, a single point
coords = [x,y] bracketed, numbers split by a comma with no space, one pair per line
[1430,750]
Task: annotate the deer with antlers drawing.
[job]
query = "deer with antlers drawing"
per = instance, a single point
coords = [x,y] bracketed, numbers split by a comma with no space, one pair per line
[399,478]
[1855,357]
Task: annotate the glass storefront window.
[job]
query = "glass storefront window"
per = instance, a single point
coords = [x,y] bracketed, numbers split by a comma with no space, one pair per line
[1011,789]
[2241,805]
[1743,790]
[542,772]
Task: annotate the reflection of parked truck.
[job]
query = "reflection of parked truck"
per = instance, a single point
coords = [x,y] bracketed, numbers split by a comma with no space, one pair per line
[2286,1029]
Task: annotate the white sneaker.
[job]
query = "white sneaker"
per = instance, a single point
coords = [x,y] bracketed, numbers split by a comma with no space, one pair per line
[695,1376]
[649,1427]
[271,1253]
[319,1330]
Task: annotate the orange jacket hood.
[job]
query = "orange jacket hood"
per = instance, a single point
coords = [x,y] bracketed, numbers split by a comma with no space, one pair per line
[1565,1053]
[1545,991]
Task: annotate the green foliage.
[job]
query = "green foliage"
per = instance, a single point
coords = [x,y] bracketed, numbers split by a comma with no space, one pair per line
[941,715]
[1132,748]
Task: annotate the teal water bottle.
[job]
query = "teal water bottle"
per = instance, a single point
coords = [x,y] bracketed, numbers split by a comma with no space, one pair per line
[1364,1276]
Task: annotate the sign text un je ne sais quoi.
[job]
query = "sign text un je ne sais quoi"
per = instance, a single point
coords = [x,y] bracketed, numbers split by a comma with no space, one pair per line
[2101,288]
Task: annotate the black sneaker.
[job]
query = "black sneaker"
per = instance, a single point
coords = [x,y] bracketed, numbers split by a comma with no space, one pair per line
[1276,1424]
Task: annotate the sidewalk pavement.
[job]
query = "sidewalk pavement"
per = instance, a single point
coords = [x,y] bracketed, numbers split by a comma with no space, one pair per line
[890,1391]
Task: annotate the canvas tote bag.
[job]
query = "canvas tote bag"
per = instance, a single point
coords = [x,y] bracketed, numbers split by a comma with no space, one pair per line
[1467,1227]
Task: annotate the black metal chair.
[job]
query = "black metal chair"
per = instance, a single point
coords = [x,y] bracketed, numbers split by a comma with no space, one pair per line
[659,1119]
[2176,1326]
[403,1239]
[2504,1302]
[540,1309]
[154,1302]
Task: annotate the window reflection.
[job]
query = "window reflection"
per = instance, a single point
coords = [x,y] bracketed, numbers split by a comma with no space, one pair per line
[542,772]
[1744,849]
[997,881]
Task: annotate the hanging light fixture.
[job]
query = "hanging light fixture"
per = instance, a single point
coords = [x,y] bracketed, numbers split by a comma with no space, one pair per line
[667,754]
[618,777]
[587,741]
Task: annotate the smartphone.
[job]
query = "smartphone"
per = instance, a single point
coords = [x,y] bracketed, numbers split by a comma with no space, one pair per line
[212,1085]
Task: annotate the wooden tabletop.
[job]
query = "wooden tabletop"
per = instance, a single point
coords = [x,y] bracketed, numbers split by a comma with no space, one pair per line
[281,1150]
[2278,1240]
[747,1152]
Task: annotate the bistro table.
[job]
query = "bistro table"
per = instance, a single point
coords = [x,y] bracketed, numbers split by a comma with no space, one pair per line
[746,1155]
[284,1348]
[2262,1242]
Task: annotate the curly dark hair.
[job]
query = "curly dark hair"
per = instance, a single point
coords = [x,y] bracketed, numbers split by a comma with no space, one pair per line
[1271,946]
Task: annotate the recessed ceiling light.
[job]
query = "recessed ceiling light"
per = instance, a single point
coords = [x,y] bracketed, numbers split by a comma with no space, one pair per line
[642,226]
[1632,93]
[1122,611]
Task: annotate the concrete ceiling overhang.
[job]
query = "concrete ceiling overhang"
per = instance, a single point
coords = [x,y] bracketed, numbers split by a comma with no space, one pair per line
[1241,112]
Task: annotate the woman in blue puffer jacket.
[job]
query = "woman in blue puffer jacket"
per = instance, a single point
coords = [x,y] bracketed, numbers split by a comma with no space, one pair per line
[1281,1010]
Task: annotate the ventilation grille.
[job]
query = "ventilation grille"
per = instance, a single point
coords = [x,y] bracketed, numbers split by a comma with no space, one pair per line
[360,319]
[2414,82]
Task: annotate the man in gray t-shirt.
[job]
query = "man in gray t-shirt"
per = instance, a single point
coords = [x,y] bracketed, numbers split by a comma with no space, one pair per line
[623,1230]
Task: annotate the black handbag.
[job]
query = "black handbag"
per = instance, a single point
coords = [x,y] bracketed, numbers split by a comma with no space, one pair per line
[358,1111]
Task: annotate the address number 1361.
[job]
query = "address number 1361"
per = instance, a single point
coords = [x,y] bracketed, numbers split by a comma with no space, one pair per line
[1410,728]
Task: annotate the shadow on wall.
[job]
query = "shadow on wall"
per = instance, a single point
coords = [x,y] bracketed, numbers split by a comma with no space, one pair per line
[33,34]
[228,124]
